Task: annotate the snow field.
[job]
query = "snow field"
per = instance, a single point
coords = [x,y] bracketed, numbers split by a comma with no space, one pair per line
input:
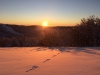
[49,61]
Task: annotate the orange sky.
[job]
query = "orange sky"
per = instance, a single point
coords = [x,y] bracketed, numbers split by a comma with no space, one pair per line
[56,12]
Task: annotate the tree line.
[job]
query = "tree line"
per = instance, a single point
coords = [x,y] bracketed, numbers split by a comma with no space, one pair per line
[84,34]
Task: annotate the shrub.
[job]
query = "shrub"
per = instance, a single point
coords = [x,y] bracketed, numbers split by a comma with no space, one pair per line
[87,32]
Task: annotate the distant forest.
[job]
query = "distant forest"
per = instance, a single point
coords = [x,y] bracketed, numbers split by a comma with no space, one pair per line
[84,34]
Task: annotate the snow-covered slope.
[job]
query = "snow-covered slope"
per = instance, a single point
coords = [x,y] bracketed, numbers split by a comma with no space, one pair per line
[11,30]
[50,61]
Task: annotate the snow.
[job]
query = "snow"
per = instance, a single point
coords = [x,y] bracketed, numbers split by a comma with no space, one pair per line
[50,61]
[11,30]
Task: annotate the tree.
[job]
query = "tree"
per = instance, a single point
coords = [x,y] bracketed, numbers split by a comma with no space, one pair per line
[86,33]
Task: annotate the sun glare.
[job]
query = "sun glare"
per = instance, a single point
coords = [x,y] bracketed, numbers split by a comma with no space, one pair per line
[45,24]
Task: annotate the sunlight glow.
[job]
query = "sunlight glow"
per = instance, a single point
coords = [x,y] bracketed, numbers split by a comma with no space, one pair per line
[45,23]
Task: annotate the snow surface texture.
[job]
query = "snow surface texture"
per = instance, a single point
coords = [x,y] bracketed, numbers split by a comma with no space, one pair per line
[11,30]
[50,61]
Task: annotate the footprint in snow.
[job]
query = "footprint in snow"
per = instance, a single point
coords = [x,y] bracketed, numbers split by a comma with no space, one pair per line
[33,68]
[46,60]
[54,56]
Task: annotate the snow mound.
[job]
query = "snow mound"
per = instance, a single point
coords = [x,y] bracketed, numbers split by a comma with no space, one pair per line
[11,30]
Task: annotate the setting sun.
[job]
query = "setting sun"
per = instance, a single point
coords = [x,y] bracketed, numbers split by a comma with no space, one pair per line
[45,23]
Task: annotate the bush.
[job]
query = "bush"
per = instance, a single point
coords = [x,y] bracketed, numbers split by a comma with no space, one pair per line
[87,33]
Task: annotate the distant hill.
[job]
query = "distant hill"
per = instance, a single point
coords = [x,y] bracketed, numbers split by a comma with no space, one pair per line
[29,36]
[8,30]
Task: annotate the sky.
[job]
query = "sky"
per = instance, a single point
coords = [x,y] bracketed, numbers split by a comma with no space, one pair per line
[55,12]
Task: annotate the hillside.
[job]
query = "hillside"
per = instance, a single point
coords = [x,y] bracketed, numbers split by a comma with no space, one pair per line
[20,35]
[7,30]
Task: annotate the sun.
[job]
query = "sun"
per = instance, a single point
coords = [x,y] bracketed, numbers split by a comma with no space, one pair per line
[45,23]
